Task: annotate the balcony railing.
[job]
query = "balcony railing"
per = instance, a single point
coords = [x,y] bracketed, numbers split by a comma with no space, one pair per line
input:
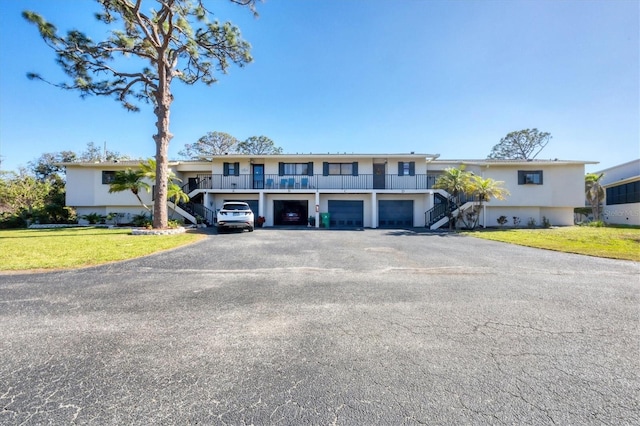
[303,182]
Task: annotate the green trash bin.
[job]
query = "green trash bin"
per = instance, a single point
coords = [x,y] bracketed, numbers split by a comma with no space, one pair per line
[324,220]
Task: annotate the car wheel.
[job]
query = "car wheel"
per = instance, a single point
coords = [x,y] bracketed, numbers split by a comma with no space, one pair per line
[251,229]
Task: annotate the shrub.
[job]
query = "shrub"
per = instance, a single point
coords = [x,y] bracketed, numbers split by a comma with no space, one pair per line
[11,221]
[502,220]
[93,218]
[597,224]
[115,217]
[545,222]
[516,221]
[174,223]
[142,220]
[531,223]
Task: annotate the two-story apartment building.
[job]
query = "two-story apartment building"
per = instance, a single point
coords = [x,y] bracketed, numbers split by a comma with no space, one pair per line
[356,190]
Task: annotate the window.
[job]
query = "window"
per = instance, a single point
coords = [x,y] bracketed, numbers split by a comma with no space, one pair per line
[406,168]
[624,194]
[295,169]
[529,177]
[231,169]
[108,177]
[337,169]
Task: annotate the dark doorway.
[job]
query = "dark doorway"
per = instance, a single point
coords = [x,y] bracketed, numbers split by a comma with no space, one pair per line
[290,212]
[258,176]
[379,175]
[193,183]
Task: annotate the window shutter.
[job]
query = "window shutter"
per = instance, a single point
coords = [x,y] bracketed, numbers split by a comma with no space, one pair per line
[310,168]
[540,171]
[236,169]
[520,177]
[354,168]
[325,168]
[281,169]
[400,168]
[225,169]
[412,168]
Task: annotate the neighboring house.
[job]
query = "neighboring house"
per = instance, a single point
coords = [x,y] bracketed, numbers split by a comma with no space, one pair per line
[356,190]
[622,193]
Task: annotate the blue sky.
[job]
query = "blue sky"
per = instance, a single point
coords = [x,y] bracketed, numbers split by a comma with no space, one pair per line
[437,77]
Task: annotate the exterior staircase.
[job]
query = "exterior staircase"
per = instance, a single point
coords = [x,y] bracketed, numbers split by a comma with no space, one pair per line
[444,208]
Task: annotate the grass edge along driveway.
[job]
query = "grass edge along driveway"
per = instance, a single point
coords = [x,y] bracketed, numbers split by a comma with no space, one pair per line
[610,242]
[67,248]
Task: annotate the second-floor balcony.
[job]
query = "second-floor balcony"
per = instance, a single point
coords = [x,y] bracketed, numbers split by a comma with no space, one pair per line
[313,182]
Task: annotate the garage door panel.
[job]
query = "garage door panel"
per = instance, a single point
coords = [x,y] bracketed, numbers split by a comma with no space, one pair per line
[395,213]
[346,213]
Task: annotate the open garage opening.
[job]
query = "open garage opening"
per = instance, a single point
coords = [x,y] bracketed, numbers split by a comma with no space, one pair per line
[291,212]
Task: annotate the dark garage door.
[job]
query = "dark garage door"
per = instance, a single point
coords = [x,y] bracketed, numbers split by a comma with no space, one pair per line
[395,213]
[253,204]
[291,212]
[346,214]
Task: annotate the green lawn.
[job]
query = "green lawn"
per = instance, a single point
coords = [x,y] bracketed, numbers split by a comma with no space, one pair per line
[26,249]
[615,243]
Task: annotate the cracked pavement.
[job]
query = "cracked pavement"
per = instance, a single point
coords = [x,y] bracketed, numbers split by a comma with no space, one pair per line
[325,327]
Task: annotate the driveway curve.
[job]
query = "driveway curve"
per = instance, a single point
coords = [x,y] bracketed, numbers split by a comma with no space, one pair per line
[325,327]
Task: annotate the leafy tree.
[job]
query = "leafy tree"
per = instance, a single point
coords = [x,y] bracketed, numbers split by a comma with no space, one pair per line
[259,145]
[47,166]
[176,195]
[458,182]
[176,40]
[455,182]
[94,153]
[22,194]
[521,145]
[213,143]
[130,180]
[594,192]
[483,190]
[136,181]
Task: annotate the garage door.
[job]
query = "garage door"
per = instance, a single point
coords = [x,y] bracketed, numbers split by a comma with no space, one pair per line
[291,212]
[395,213]
[346,214]
[253,204]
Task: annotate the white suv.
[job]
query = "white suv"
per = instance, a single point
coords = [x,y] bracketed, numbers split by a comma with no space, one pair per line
[235,215]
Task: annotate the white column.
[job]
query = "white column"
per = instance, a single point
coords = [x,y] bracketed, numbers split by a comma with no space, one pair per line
[374,209]
[317,213]
[261,206]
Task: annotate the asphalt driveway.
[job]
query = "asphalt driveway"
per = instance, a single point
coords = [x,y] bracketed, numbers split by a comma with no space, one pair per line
[325,327]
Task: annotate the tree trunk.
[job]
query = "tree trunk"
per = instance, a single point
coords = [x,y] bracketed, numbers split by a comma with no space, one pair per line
[162,138]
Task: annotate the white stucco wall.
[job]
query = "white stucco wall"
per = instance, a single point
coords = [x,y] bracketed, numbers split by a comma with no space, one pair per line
[561,186]
[85,189]
[622,214]
[80,186]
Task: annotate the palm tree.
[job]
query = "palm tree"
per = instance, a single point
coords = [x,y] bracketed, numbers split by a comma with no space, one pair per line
[594,192]
[455,182]
[130,180]
[484,189]
[175,194]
